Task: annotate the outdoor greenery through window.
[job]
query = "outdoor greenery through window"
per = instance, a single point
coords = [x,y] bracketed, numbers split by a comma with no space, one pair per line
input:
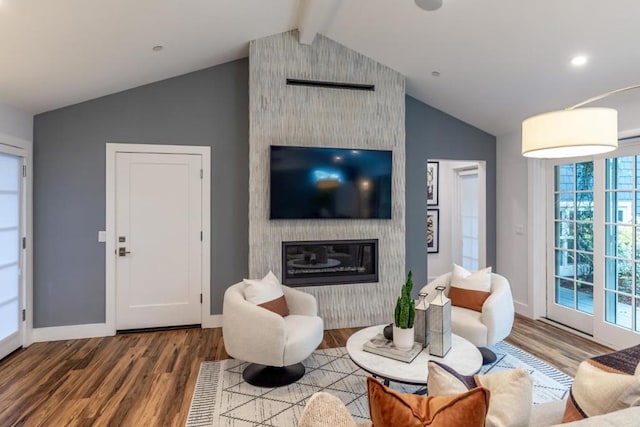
[622,241]
[573,220]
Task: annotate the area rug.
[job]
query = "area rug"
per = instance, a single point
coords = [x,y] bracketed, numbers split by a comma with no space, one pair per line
[222,398]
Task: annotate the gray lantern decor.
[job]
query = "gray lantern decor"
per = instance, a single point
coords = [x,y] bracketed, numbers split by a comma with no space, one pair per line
[421,325]
[440,324]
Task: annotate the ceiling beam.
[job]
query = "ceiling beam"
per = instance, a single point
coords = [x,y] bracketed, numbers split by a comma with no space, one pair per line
[315,16]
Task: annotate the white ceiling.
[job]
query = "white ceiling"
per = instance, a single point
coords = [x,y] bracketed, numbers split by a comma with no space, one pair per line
[500,60]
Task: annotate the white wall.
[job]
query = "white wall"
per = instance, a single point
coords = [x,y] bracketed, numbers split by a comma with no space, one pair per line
[512,217]
[442,262]
[15,123]
[520,203]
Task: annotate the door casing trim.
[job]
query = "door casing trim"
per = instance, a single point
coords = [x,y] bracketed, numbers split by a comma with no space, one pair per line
[112,149]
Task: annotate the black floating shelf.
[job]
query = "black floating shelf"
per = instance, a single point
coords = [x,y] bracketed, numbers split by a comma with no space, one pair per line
[331,85]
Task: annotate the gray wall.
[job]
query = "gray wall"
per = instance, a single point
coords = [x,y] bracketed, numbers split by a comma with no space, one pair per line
[207,107]
[15,122]
[432,134]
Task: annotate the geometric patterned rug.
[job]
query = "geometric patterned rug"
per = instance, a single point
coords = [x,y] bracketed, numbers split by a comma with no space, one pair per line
[222,398]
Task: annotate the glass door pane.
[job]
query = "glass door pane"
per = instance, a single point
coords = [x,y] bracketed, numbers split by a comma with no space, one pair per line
[9,247]
[573,219]
[571,233]
[622,233]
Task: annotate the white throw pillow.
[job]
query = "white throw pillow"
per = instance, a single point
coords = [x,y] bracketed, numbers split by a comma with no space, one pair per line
[266,293]
[259,291]
[510,398]
[474,281]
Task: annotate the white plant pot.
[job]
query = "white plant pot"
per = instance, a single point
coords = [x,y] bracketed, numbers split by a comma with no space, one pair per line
[402,338]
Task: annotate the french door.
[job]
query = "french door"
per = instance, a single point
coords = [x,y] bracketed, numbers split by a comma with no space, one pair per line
[594,245]
[11,254]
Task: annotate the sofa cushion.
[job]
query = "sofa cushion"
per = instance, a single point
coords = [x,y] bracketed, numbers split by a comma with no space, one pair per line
[469,289]
[597,391]
[629,417]
[511,390]
[266,293]
[389,408]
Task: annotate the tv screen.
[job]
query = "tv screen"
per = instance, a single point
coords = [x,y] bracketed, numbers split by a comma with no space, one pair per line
[314,182]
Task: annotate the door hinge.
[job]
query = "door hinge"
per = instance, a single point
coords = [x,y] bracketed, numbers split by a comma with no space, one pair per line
[24,315]
[200,298]
[24,171]
[201,174]
[24,243]
[201,236]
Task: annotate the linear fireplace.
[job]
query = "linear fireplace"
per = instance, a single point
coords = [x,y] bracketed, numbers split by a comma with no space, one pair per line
[329,262]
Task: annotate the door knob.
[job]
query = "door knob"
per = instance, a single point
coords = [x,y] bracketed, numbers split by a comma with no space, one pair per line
[123,251]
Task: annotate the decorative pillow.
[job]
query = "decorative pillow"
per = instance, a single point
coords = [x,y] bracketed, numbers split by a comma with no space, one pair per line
[389,408]
[469,290]
[324,409]
[511,392]
[266,293]
[600,389]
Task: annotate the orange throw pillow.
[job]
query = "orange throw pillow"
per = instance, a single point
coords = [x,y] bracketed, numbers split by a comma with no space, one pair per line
[467,298]
[389,408]
[278,306]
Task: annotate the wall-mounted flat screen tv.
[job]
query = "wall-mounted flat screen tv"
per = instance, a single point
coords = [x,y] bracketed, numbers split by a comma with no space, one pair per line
[315,182]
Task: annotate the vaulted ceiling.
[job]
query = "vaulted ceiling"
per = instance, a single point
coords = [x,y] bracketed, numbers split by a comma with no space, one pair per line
[498,60]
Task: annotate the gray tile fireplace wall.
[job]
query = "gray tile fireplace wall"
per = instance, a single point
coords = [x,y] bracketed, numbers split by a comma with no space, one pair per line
[281,114]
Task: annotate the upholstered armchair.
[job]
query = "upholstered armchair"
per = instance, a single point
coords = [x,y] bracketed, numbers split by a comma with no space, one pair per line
[485,328]
[274,345]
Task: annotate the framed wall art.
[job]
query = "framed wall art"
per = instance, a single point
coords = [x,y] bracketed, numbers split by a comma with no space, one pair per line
[433,231]
[433,183]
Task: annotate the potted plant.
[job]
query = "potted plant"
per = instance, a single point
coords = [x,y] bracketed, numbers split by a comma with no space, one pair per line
[404,317]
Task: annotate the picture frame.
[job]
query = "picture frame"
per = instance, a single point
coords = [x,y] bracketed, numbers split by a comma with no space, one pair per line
[433,183]
[433,231]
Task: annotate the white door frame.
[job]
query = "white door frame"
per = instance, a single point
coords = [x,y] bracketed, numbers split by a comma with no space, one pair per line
[24,148]
[208,320]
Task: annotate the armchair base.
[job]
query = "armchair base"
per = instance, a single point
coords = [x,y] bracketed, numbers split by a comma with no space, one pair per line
[488,356]
[272,376]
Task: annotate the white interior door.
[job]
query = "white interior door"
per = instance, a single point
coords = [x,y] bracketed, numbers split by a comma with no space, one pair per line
[159,246]
[11,263]
[469,219]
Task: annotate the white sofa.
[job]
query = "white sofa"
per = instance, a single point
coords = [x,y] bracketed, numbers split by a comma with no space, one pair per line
[325,410]
[269,341]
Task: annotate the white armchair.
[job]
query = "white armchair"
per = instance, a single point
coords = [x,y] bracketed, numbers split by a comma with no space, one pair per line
[488,327]
[274,345]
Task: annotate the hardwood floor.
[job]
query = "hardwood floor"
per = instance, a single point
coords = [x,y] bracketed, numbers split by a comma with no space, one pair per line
[148,379]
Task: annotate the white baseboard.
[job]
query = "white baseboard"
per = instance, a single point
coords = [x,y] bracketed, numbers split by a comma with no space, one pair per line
[523,309]
[58,333]
[213,321]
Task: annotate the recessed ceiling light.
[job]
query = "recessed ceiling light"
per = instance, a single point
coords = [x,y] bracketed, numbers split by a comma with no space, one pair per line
[579,60]
[435,73]
[155,48]
[429,4]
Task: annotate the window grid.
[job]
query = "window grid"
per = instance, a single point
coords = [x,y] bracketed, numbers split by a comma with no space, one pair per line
[622,270]
[573,278]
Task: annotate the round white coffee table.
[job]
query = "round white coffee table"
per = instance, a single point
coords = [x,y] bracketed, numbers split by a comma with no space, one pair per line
[464,358]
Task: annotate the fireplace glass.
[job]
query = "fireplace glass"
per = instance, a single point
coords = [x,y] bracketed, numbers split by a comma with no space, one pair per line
[329,262]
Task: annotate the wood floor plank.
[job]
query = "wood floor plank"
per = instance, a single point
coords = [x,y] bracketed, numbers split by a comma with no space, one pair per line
[148,378]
